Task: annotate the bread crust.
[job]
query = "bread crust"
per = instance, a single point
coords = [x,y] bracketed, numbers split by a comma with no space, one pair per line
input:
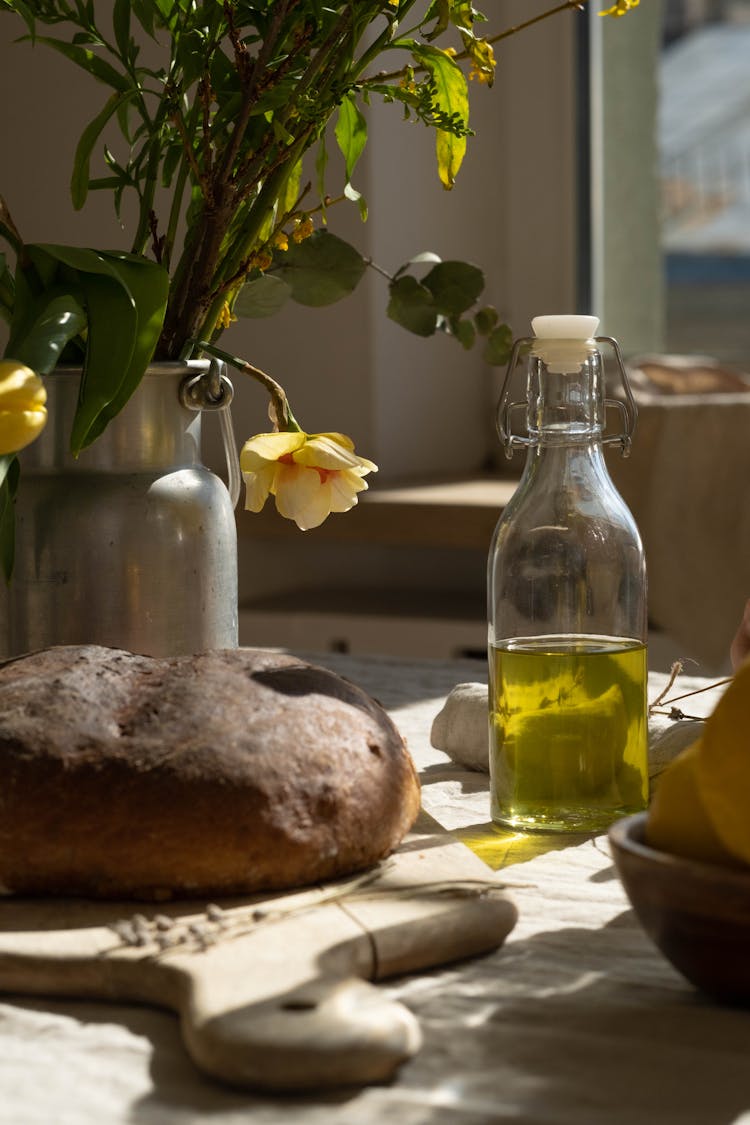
[223,773]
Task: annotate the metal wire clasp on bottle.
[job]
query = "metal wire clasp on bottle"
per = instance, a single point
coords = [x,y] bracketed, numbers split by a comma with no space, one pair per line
[213,390]
[627,410]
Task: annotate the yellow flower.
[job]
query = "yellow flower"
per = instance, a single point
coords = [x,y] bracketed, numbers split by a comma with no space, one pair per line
[280,240]
[621,8]
[482,61]
[22,410]
[310,475]
[302,230]
[261,260]
[225,317]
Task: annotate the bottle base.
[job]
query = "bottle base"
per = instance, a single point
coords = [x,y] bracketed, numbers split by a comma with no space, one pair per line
[558,821]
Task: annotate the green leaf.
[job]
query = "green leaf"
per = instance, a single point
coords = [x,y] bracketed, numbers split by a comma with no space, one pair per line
[90,62]
[427,256]
[358,198]
[289,194]
[124,298]
[452,96]
[351,133]
[53,318]
[27,15]
[113,323]
[145,11]
[321,163]
[455,286]
[322,269]
[262,296]
[148,285]
[499,346]
[485,320]
[7,290]
[440,12]
[412,306]
[79,184]
[121,25]
[9,474]
[464,332]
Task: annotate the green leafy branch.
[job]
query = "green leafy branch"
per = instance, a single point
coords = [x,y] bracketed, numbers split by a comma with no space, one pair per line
[324,269]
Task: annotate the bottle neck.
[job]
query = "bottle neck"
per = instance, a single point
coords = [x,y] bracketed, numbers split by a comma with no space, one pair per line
[565,407]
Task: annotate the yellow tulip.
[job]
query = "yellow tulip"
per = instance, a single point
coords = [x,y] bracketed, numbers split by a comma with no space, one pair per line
[22,410]
[310,475]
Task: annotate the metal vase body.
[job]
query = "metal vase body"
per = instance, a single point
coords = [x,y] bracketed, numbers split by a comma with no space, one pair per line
[132,545]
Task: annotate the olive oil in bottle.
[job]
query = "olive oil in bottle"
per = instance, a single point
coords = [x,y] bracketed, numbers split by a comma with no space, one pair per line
[568,741]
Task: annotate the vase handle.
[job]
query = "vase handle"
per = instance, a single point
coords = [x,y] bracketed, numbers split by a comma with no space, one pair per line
[212,390]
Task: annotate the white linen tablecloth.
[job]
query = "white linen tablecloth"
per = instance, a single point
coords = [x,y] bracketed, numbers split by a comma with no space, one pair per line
[576,1020]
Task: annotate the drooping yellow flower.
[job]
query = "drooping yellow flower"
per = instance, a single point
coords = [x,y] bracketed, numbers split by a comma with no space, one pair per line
[22,410]
[303,228]
[261,260]
[620,8]
[482,61]
[310,475]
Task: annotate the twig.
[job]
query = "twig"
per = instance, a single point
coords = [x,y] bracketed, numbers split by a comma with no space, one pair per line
[674,672]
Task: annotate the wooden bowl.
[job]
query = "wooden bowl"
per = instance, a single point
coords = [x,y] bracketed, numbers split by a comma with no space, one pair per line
[698,914]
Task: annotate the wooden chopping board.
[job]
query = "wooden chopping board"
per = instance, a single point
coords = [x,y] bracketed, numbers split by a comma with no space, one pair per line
[273,993]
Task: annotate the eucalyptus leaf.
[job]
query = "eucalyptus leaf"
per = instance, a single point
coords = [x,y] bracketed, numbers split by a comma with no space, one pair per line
[455,286]
[322,269]
[412,306]
[262,296]
[499,346]
[485,320]
[464,331]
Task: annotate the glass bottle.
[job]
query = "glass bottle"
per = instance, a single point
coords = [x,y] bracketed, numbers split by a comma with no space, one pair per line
[566,602]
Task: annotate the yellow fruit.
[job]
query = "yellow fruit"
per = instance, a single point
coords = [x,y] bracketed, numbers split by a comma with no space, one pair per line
[678,820]
[723,766]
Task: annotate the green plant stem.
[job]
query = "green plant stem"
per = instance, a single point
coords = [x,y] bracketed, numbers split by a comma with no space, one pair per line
[564,7]
[285,420]
[245,241]
[175,211]
[567,5]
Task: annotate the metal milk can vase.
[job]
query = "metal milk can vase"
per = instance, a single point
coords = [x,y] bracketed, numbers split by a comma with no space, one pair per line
[567,601]
[133,544]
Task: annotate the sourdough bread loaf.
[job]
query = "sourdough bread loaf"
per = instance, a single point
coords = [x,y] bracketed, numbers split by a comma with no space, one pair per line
[223,773]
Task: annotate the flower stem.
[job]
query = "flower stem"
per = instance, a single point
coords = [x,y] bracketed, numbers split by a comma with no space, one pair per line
[281,410]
